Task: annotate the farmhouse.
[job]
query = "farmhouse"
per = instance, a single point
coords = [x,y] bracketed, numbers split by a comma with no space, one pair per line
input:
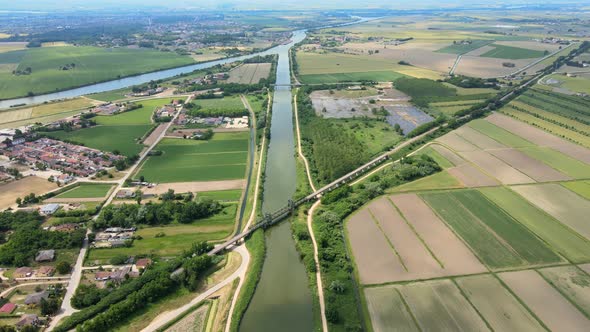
[28,320]
[125,194]
[23,272]
[35,298]
[7,308]
[45,256]
[45,271]
[142,264]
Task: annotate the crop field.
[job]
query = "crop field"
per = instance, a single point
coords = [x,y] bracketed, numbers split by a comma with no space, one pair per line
[440,306]
[231,102]
[562,204]
[93,65]
[65,108]
[223,195]
[221,158]
[122,138]
[249,73]
[20,188]
[570,85]
[561,238]
[176,238]
[581,188]
[500,309]
[464,48]
[572,282]
[544,301]
[440,180]
[388,311]
[12,46]
[140,116]
[510,52]
[452,107]
[110,95]
[87,190]
[414,243]
[484,67]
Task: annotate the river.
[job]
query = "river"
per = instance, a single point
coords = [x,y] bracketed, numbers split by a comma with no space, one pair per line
[282,301]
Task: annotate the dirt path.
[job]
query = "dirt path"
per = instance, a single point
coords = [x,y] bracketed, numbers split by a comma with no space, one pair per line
[318,273]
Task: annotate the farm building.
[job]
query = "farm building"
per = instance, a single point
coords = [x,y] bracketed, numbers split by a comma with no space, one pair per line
[142,263]
[35,298]
[49,209]
[28,320]
[23,272]
[45,271]
[7,308]
[45,256]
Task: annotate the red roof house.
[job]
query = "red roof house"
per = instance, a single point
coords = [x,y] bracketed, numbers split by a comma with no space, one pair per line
[7,308]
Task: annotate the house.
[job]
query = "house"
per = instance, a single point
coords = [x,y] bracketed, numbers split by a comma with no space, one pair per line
[23,272]
[115,243]
[7,308]
[119,274]
[45,256]
[45,271]
[49,209]
[125,193]
[35,298]
[68,228]
[102,276]
[142,263]
[30,319]
[64,179]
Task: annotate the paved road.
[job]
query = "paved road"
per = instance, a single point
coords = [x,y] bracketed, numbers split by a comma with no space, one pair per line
[167,316]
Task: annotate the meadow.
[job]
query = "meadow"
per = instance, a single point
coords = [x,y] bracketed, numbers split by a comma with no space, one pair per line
[92,65]
[464,48]
[121,132]
[87,190]
[509,52]
[221,158]
[43,112]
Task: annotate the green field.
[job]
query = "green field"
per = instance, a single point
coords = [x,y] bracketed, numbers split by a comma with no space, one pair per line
[563,240]
[464,48]
[561,162]
[110,95]
[377,76]
[499,134]
[377,135]
[574,84]
[87,190]
[140,116]
[222,195]
[440,160]
[107,138]
[178,237]
[222,158]
[440,180]
[92,65]
[231,102]
[518,237]
[387,310]
[490,249]
[582,188]
[514,53]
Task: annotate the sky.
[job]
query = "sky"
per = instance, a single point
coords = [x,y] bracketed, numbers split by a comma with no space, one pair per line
[59,5]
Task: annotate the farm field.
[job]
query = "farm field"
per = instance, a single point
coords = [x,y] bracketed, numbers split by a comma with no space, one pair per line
[581,188]
[178,237]
[562,204]
[110,95]
[22,116]
[544,301]
[388,311]
[87,190]
[123,138]
[230,102]
[92,66]
[222,195]
[561,238]
[510,52]
[194,321]
[20,188]
[497,305]
[413,239]
[140,116]
[572,282]
[221,158]
[464,48]
[441,180]
[249,73]
[566,84]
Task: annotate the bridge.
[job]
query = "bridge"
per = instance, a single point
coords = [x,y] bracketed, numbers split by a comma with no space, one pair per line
[275,217]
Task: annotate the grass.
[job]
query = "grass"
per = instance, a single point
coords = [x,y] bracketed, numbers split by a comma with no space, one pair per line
[510,52]
[140,116]
[222,158]
[93,64]
[490,249]
[561,162]
[548,126]
[110,95]
[377,135]
[231,102]
[63,108]
[563,240]
[464,48]
[581,188]
[377,76]
[107,138]
[87,190]
[388,310]
[575,84]
[441,180]
[222,195]
[440,160]
[499,134]
[178,237]
[525,243]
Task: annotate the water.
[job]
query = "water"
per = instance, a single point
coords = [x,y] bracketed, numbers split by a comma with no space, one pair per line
[282,301]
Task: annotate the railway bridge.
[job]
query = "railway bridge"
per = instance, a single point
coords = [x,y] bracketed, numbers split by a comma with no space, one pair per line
[270,219]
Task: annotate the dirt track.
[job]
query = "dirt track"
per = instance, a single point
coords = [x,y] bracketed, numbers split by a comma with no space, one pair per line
[183,187]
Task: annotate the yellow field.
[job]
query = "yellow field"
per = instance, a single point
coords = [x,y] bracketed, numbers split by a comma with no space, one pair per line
[54,44]
[43,112]
[4,35]
[11,46]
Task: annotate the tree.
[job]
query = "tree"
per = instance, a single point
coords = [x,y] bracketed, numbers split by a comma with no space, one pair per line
[169,195]
[337,287]
[63,267]
[19,201]
[138,196]
[49,306]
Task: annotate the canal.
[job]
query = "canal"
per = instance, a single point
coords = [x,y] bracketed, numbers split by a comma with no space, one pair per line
[282,301]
